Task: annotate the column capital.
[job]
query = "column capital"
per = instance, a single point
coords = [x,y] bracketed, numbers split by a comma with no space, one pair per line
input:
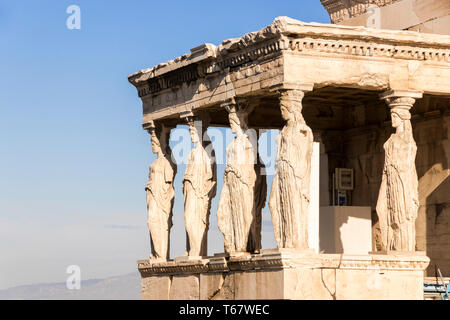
[401,98]
[241,105]
[291,92]
[187,114]
[149,126]
[158,125]
[229,104]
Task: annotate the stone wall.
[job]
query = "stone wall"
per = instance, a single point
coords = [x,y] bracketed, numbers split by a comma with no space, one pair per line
[429,16]
[362,150]
[342,10]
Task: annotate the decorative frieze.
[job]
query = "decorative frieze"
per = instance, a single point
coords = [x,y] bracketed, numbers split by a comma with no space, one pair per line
[169,80]
[367,49]
[248,56]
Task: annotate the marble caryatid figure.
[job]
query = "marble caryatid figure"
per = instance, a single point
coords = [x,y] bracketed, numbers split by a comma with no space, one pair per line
[160,193]
[199,188]
[398,200]
[243,193]
[289,197]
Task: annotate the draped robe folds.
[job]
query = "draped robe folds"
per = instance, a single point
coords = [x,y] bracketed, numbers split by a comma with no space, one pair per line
[199,187]
[160,196]
[260,194]
[289,198]
[398,201]
[238,215]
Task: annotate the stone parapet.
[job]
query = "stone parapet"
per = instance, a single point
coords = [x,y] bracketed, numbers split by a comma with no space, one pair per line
[286,274]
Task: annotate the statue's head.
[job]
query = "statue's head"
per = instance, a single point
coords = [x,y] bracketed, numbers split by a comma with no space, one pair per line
[160,139]
[194,134]
[238,116]
[286,112]
[401,119]
[236,122]
[291,106]
[396,120]
[156,145]
[198,125]
[194,130]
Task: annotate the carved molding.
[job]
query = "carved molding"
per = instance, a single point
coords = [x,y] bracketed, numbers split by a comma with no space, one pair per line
[190,74]
[340,10]
[226,63]
[243,57]
[368,49]
[146,268]
[284,260]
[169,80]
[248,55]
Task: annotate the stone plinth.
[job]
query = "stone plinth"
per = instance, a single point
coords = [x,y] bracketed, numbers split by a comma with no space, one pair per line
[285,274]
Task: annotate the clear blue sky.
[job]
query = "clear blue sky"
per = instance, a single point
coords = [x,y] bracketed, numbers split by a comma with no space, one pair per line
[73,157]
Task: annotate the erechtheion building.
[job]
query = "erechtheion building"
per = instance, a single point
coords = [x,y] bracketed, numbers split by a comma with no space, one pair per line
[363,107]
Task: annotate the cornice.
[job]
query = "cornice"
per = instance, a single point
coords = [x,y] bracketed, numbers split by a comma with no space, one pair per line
[277,260]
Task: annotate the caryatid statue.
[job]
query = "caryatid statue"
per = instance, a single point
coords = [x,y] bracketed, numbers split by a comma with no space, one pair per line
[289,197]
[160,193]
[244,189]
[199,188]
[398,200]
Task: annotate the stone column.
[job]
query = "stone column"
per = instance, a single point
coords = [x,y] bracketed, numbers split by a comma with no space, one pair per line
[239,211]
[160,192]
[398,200]
[199,188]
[290,195]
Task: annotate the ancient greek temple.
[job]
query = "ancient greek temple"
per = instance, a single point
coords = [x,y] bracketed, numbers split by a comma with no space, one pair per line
[364,120]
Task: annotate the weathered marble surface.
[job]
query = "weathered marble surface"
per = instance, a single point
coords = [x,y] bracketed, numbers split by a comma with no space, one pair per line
[289,198]
[429,16]
[160,193]
[199,188]
[346,229]
[243,193]
[398,201]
